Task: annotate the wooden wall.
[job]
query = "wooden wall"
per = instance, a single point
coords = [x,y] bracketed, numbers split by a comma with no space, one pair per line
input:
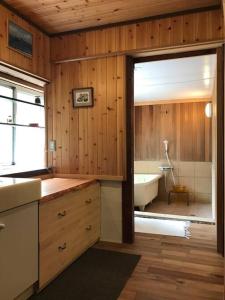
[80,148]
[173,31]
[89,140]
[184,125]
[39,64]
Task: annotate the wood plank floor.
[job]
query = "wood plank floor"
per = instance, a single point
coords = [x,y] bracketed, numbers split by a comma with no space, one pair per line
[173,268]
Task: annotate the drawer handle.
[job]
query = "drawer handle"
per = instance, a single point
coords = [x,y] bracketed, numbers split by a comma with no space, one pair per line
[62,214]
[61,248]
[2,226]
[88,201]
[88,228]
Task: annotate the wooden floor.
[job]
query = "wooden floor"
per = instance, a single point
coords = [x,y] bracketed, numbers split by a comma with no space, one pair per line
[176,207]
[173,268]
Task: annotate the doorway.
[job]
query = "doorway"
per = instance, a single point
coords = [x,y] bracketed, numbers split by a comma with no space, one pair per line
[170,174]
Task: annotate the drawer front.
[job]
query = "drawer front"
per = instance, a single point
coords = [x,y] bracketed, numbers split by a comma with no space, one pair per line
[62,250]
[63,237]
[62,213]
[92,226]
[52,260]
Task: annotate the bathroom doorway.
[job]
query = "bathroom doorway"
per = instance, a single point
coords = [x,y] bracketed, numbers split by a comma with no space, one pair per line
[176,148]
[174,138]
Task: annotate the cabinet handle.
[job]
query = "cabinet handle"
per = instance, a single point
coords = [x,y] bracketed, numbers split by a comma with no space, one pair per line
[62,214]
[88,201]
[88,228]
[63,247]
[2,226]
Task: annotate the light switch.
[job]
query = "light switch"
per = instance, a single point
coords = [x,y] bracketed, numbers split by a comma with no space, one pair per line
[52,145]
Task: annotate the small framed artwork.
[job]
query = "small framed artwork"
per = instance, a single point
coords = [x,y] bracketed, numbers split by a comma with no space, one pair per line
[20,39]
[83,97]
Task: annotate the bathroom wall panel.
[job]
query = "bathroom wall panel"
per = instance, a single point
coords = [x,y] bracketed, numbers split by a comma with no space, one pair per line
[184,125]
[180,30]
[90,141]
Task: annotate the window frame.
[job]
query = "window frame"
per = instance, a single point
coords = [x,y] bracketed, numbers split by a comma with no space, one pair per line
[36,90]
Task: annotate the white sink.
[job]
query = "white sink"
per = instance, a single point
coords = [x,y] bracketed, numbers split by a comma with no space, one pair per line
[15,192]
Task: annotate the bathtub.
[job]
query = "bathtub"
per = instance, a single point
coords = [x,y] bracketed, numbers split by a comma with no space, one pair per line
[145,189]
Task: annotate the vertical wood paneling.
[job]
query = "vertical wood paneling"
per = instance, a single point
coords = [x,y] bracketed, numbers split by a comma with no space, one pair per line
[142,40]
[110,36]
[49,120]
[90,43]
[80,44]
[90,140]
[58,115]
[83,120]
[100,41]
[74,125]
[111,114]
[65,118]
[92,120]
[184,125]
[39,63]
[121,115]
[101,115]
[178,30]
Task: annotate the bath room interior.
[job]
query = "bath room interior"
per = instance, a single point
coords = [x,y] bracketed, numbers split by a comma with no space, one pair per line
[174,141]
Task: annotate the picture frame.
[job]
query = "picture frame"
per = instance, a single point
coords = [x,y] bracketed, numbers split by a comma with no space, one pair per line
[19,39]
[82,97]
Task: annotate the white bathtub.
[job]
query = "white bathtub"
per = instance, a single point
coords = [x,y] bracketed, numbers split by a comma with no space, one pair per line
[145,189]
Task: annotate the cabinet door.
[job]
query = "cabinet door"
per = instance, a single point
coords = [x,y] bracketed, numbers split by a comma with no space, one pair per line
[18,250]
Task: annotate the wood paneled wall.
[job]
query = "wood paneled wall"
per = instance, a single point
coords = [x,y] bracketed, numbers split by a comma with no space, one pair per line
[173,31]
[89,140]
[184,125]
[39,63]
[92,141]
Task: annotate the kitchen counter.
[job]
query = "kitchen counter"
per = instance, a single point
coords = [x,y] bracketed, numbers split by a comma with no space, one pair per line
[56,187]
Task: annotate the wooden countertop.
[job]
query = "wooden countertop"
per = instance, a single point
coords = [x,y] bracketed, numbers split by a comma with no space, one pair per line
[56,187]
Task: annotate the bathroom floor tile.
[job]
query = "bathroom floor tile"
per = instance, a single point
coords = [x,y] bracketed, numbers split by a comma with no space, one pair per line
[198,209]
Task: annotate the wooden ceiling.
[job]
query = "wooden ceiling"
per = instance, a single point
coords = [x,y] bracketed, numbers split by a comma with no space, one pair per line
[56,16]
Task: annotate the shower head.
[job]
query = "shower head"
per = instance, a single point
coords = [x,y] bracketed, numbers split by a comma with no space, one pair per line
[165,142]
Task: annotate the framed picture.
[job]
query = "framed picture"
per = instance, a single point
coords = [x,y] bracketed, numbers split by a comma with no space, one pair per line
[83,97]
[19,39]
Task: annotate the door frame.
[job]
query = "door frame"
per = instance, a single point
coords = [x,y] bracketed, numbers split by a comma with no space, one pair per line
[127,186]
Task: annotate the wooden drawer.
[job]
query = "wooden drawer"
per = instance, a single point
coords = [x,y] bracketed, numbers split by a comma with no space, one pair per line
[64,212]
[63,237]
[64,248]
[92,226]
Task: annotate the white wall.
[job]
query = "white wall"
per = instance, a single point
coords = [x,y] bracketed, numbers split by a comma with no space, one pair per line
[196,176]
[111,218]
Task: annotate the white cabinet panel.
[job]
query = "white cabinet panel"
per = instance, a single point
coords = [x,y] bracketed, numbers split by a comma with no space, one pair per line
[18,250]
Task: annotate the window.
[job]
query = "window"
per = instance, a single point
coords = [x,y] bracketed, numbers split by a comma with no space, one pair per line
[22,129]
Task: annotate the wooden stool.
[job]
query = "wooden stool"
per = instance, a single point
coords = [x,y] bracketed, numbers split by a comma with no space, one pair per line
[176,192]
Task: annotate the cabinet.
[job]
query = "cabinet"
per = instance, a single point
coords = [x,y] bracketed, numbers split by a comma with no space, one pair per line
[68,225]
[18,250]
